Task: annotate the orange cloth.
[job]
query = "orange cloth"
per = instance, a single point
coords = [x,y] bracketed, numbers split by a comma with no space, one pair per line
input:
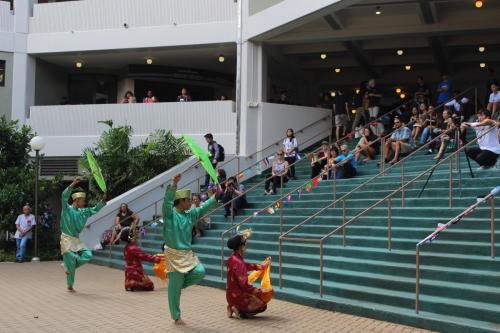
[265,281]
[160,267]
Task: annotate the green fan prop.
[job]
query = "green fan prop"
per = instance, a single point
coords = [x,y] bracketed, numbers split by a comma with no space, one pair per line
[202,157]
[96,170]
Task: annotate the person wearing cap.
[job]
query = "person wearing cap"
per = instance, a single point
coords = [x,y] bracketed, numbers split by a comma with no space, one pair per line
[135,279]
[183,267]
[73,220]
[244,300]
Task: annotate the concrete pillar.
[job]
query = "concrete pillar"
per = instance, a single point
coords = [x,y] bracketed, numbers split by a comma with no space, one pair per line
[253,93]
[24,65]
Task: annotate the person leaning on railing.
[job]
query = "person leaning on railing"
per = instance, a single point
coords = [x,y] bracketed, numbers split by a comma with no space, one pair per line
[486,154]
[278,170]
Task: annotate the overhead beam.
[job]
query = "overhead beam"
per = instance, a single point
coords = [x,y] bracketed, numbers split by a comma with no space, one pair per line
[361,59]
[440,56]
[426,12]
[291,66]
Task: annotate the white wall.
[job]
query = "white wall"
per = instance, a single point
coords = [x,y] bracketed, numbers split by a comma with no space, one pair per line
[99,24]
[6,17]
[6,91]
[70,128]
[277,118]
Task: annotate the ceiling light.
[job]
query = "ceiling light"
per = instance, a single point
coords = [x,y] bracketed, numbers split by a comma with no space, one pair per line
[482,65]
[482,49]
[478,4]
[149,61]
[408,67]
[378,10]
[323,56]
[403,96]
[400,52]
[78,64]
[338,70]
[353,111]
[357,90]
[333,94]
[398,90]
[221,58]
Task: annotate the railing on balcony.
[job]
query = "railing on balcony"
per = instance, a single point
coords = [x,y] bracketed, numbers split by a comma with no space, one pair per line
[113,14]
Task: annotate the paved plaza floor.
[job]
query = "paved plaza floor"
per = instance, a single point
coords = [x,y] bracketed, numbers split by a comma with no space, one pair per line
[34,299]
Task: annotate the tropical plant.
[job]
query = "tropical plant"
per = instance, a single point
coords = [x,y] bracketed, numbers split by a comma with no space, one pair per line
[18,181]
[124,166]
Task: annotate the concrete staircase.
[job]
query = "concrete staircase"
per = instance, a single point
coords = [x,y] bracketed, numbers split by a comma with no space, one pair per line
[460,282]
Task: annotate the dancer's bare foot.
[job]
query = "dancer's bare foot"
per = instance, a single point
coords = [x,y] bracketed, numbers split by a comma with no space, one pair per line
[236,312]
[179,322]
[64,269]
[71,290]
[229,312]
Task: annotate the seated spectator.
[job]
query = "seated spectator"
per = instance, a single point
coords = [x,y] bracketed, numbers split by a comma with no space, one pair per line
[184,96]
[400,141]
[377,127]
[486,154]
[318,161]
[221,178]
[416,123]
[278,170]
[123,219]
[422,93]
[429,123]
[234,192]
[129,98]
[150,98]
[346,169]
[367,145]
[446,133]
[203,222]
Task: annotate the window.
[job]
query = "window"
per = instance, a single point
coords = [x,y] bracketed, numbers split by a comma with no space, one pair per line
[2,73]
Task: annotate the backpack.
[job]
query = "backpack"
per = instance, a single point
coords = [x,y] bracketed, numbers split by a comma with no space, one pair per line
[222,155]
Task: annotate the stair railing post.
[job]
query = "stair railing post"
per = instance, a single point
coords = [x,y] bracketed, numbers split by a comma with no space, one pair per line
[492,226]
[281,206]
[450,189]
[343,222]
[402,183]
[321,268]
[280,263]
[417,279]
[382,152]
[334,187]
[389,224]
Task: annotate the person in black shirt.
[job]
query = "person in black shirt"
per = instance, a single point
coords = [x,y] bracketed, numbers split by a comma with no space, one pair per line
[216,154]
[422,92]
[374,97]
[123,219]
[360,103]
[489,81]
[341,111]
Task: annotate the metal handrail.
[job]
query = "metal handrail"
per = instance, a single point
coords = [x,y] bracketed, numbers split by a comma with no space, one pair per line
[382,173]
[490,197]
[389,198]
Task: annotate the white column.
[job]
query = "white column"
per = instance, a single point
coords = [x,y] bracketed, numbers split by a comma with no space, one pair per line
[24,65]
[253,90]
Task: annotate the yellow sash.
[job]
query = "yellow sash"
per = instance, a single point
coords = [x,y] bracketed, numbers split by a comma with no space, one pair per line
[181,261]
[71,244]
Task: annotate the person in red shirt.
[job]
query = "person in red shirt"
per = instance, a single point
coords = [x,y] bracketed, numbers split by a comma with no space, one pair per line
[244,300]
[135,279]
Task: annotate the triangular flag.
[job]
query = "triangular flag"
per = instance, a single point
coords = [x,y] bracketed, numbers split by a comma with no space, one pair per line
[289,197]
[315,181]
[277,204]
[256,213]
[241,175]
[270,210]
[308,187]
[299,192]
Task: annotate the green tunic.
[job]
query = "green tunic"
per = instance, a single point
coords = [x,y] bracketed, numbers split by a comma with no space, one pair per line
[73,220]
[178,226]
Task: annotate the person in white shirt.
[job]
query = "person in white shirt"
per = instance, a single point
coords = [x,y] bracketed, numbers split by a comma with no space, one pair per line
[486,154]
[494,101]
[24,224]
[291,148]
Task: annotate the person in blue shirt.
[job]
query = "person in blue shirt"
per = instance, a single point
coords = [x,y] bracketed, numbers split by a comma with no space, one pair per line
[400,141]
[444,89]
[346,169]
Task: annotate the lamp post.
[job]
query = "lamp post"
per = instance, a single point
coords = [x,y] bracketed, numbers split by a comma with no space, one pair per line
[37,144]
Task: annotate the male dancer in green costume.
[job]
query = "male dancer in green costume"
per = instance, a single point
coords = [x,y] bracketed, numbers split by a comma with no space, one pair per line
[73,219]
[183,267]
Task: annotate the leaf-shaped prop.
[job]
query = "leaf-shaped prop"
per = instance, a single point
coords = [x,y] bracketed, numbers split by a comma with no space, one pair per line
[202,157]
[96,170]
